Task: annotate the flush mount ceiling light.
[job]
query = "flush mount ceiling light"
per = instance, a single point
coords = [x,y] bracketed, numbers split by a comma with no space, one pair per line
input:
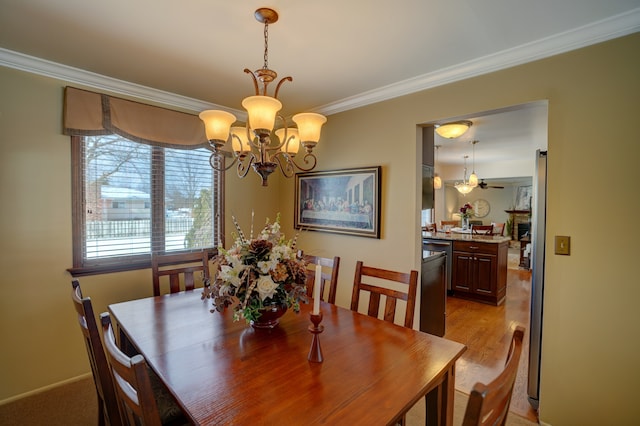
[272,150]
[453,129]
[464,187]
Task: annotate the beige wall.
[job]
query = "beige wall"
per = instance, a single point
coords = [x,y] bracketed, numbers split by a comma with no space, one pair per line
[591,334]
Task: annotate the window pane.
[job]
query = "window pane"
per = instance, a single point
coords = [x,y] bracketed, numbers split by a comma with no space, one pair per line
[116,190]
[188,200]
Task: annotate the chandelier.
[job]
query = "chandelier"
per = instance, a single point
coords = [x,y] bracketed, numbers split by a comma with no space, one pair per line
[256,145]
[453,129]
[464,187]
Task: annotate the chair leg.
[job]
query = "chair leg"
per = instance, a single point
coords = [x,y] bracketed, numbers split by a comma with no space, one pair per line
[101,413]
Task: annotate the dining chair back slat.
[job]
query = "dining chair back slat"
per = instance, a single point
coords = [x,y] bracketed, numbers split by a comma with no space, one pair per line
[391,295]
[108,413]
[330,269]
[180,268]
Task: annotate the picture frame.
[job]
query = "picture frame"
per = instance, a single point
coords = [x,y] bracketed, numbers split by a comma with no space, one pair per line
[345,201]
[523,197]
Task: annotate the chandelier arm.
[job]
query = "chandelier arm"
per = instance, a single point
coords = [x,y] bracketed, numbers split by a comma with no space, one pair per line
[275,94]
[287,170]
[244,165]
[255,80]
[286,131]
[306,161]
[216,155]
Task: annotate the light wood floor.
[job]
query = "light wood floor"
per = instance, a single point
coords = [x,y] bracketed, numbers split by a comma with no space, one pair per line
[487,330]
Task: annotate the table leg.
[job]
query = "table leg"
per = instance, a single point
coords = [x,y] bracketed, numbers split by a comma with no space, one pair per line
[439,402]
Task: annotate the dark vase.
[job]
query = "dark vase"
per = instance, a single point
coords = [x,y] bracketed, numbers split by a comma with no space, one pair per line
[269,316]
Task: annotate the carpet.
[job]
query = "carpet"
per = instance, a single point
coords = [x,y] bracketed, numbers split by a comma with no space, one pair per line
[72,404]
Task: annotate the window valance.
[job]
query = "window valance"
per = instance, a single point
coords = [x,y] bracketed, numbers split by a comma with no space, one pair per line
[88,113]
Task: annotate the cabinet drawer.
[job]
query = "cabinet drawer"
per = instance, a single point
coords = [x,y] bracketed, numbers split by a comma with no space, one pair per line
[475,247]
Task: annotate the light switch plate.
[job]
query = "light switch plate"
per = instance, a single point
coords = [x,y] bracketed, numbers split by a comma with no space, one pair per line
[563,245]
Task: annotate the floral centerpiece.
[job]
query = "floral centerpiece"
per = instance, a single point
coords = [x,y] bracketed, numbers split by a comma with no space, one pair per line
[256,274]
[466,212]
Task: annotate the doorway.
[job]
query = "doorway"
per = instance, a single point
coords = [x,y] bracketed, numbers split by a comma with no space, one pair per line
[504,158]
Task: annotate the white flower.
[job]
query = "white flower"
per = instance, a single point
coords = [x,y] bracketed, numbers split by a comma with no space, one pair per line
[231,274]
[266,287]
[267,265]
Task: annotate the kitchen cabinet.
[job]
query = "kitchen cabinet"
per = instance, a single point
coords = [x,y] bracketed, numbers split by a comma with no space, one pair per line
[479,270]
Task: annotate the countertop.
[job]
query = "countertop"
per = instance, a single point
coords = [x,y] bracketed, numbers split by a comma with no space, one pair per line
[495,239]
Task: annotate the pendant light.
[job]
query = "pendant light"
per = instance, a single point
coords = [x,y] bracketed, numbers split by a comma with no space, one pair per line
[437,182]
[463,187]
[473,178]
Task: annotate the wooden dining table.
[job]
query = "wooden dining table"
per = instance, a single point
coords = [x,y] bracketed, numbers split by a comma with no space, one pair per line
[224,372]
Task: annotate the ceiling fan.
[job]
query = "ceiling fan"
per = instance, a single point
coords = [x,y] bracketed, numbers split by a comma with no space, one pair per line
[484,185]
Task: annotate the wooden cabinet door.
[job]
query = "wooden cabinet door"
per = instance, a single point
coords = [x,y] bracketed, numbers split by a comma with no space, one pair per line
[484,274]
[461,274]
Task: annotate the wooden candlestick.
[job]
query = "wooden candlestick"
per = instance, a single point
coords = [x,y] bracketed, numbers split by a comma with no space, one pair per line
[315,352]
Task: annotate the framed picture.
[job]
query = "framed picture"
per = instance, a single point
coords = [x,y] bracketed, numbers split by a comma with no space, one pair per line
[339,201]
[523,198]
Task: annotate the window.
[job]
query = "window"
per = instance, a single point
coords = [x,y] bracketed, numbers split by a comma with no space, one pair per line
[131,199]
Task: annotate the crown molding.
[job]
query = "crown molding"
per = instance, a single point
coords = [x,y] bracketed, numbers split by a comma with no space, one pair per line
[93,80]
[596,32]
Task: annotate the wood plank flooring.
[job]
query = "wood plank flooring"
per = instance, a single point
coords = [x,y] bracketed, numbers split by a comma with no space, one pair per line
[487,330]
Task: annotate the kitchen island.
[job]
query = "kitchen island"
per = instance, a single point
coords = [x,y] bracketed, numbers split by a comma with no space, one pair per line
[478,265]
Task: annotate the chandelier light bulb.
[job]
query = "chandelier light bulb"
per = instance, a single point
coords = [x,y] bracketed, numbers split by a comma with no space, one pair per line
[293,144]
[217,124]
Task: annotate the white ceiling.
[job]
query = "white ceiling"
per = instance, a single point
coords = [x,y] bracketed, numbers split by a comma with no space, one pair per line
[341,54]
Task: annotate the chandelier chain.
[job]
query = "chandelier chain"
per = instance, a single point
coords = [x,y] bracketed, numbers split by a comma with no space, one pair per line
[266,46]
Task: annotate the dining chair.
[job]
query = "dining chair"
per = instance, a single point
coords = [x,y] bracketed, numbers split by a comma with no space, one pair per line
[108,413]
[443,223]
[430,227]
[142,398]
[179,267]
[328,276]
[489,404]
[498,228]
[392,296]
[481,229]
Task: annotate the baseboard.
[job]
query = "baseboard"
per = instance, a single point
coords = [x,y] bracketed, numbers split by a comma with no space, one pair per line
[46,388]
